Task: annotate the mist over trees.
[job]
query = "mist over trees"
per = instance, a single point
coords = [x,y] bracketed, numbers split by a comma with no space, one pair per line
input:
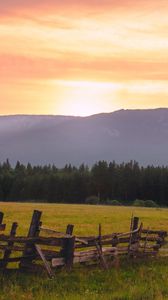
[108,181]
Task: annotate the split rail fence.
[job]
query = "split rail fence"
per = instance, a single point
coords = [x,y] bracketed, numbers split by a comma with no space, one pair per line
[45,248]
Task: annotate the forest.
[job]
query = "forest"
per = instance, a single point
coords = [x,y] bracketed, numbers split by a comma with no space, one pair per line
[124,182]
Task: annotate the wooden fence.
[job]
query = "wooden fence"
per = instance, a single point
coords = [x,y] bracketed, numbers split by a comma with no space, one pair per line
[47,248]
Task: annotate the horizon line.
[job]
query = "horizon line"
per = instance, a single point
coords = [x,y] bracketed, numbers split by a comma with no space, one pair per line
[79,116]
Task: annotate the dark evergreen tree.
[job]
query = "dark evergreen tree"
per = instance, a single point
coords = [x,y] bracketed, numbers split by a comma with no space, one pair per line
[125,182]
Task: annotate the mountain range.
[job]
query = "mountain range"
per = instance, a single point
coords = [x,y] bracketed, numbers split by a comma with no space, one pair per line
[123,135]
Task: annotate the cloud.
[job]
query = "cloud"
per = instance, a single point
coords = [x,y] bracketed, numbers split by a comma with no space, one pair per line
[76,7]
[92,40]
[75,67]
[111,45]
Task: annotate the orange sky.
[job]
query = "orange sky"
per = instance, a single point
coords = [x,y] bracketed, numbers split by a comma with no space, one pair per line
[82,57]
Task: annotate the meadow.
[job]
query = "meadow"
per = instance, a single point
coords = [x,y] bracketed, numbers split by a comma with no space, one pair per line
[136,280]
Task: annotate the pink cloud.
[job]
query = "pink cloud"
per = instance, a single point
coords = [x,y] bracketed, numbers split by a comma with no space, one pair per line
[80,67]
[75,6]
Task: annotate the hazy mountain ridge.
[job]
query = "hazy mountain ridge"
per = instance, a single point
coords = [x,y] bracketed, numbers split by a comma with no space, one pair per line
[122,135]
[27,122]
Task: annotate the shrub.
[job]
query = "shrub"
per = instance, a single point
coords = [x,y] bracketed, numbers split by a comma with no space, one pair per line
[92,200]
[139,202]
[150,203]
[113,202]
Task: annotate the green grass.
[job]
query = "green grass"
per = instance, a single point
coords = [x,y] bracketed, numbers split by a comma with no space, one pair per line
[134,280]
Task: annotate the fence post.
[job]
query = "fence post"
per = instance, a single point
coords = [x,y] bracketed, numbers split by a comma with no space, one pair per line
[1,217]
[2,226]
[133,236]
[100,237]
[135,223]
[35,223]
[7,252]
[68,247]
[69,229]
[134,227]
[33,232]
[69,252]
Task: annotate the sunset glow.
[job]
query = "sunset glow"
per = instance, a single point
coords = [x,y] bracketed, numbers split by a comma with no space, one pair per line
[82,57]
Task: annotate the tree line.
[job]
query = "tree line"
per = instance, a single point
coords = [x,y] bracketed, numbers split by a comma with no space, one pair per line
[108,181]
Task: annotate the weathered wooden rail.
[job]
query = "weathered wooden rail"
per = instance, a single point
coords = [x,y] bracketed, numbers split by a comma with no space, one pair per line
[61,249]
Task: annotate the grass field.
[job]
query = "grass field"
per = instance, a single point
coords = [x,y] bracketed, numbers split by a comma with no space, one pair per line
[140,280]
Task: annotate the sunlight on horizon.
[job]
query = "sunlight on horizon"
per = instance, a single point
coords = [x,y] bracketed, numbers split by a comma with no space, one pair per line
[84,98]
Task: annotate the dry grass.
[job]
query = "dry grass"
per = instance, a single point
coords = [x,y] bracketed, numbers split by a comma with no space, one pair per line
[85,217]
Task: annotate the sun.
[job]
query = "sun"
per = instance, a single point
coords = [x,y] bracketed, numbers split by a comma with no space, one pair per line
[83,98]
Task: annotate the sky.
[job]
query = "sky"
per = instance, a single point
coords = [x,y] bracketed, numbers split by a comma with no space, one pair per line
[82,57]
